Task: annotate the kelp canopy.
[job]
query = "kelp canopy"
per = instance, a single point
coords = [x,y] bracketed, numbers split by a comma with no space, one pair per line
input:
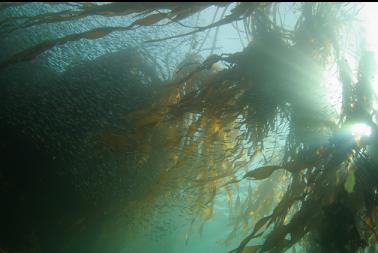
[259,114]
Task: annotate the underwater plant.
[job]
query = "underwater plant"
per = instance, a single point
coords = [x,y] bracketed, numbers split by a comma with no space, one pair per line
[259,115]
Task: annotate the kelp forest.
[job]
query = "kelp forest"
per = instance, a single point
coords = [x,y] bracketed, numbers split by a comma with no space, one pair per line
[129,124]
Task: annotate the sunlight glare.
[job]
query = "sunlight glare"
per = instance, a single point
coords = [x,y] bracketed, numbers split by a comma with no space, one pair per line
[361,129]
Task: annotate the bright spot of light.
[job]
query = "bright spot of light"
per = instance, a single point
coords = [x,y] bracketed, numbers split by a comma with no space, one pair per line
[361,129]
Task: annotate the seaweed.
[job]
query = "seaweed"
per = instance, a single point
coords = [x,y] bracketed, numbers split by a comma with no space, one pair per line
[209,123]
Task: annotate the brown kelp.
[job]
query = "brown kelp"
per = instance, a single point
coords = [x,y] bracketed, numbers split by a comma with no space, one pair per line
[260,116]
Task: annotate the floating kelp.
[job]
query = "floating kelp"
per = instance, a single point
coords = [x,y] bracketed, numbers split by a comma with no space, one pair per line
[207,129]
